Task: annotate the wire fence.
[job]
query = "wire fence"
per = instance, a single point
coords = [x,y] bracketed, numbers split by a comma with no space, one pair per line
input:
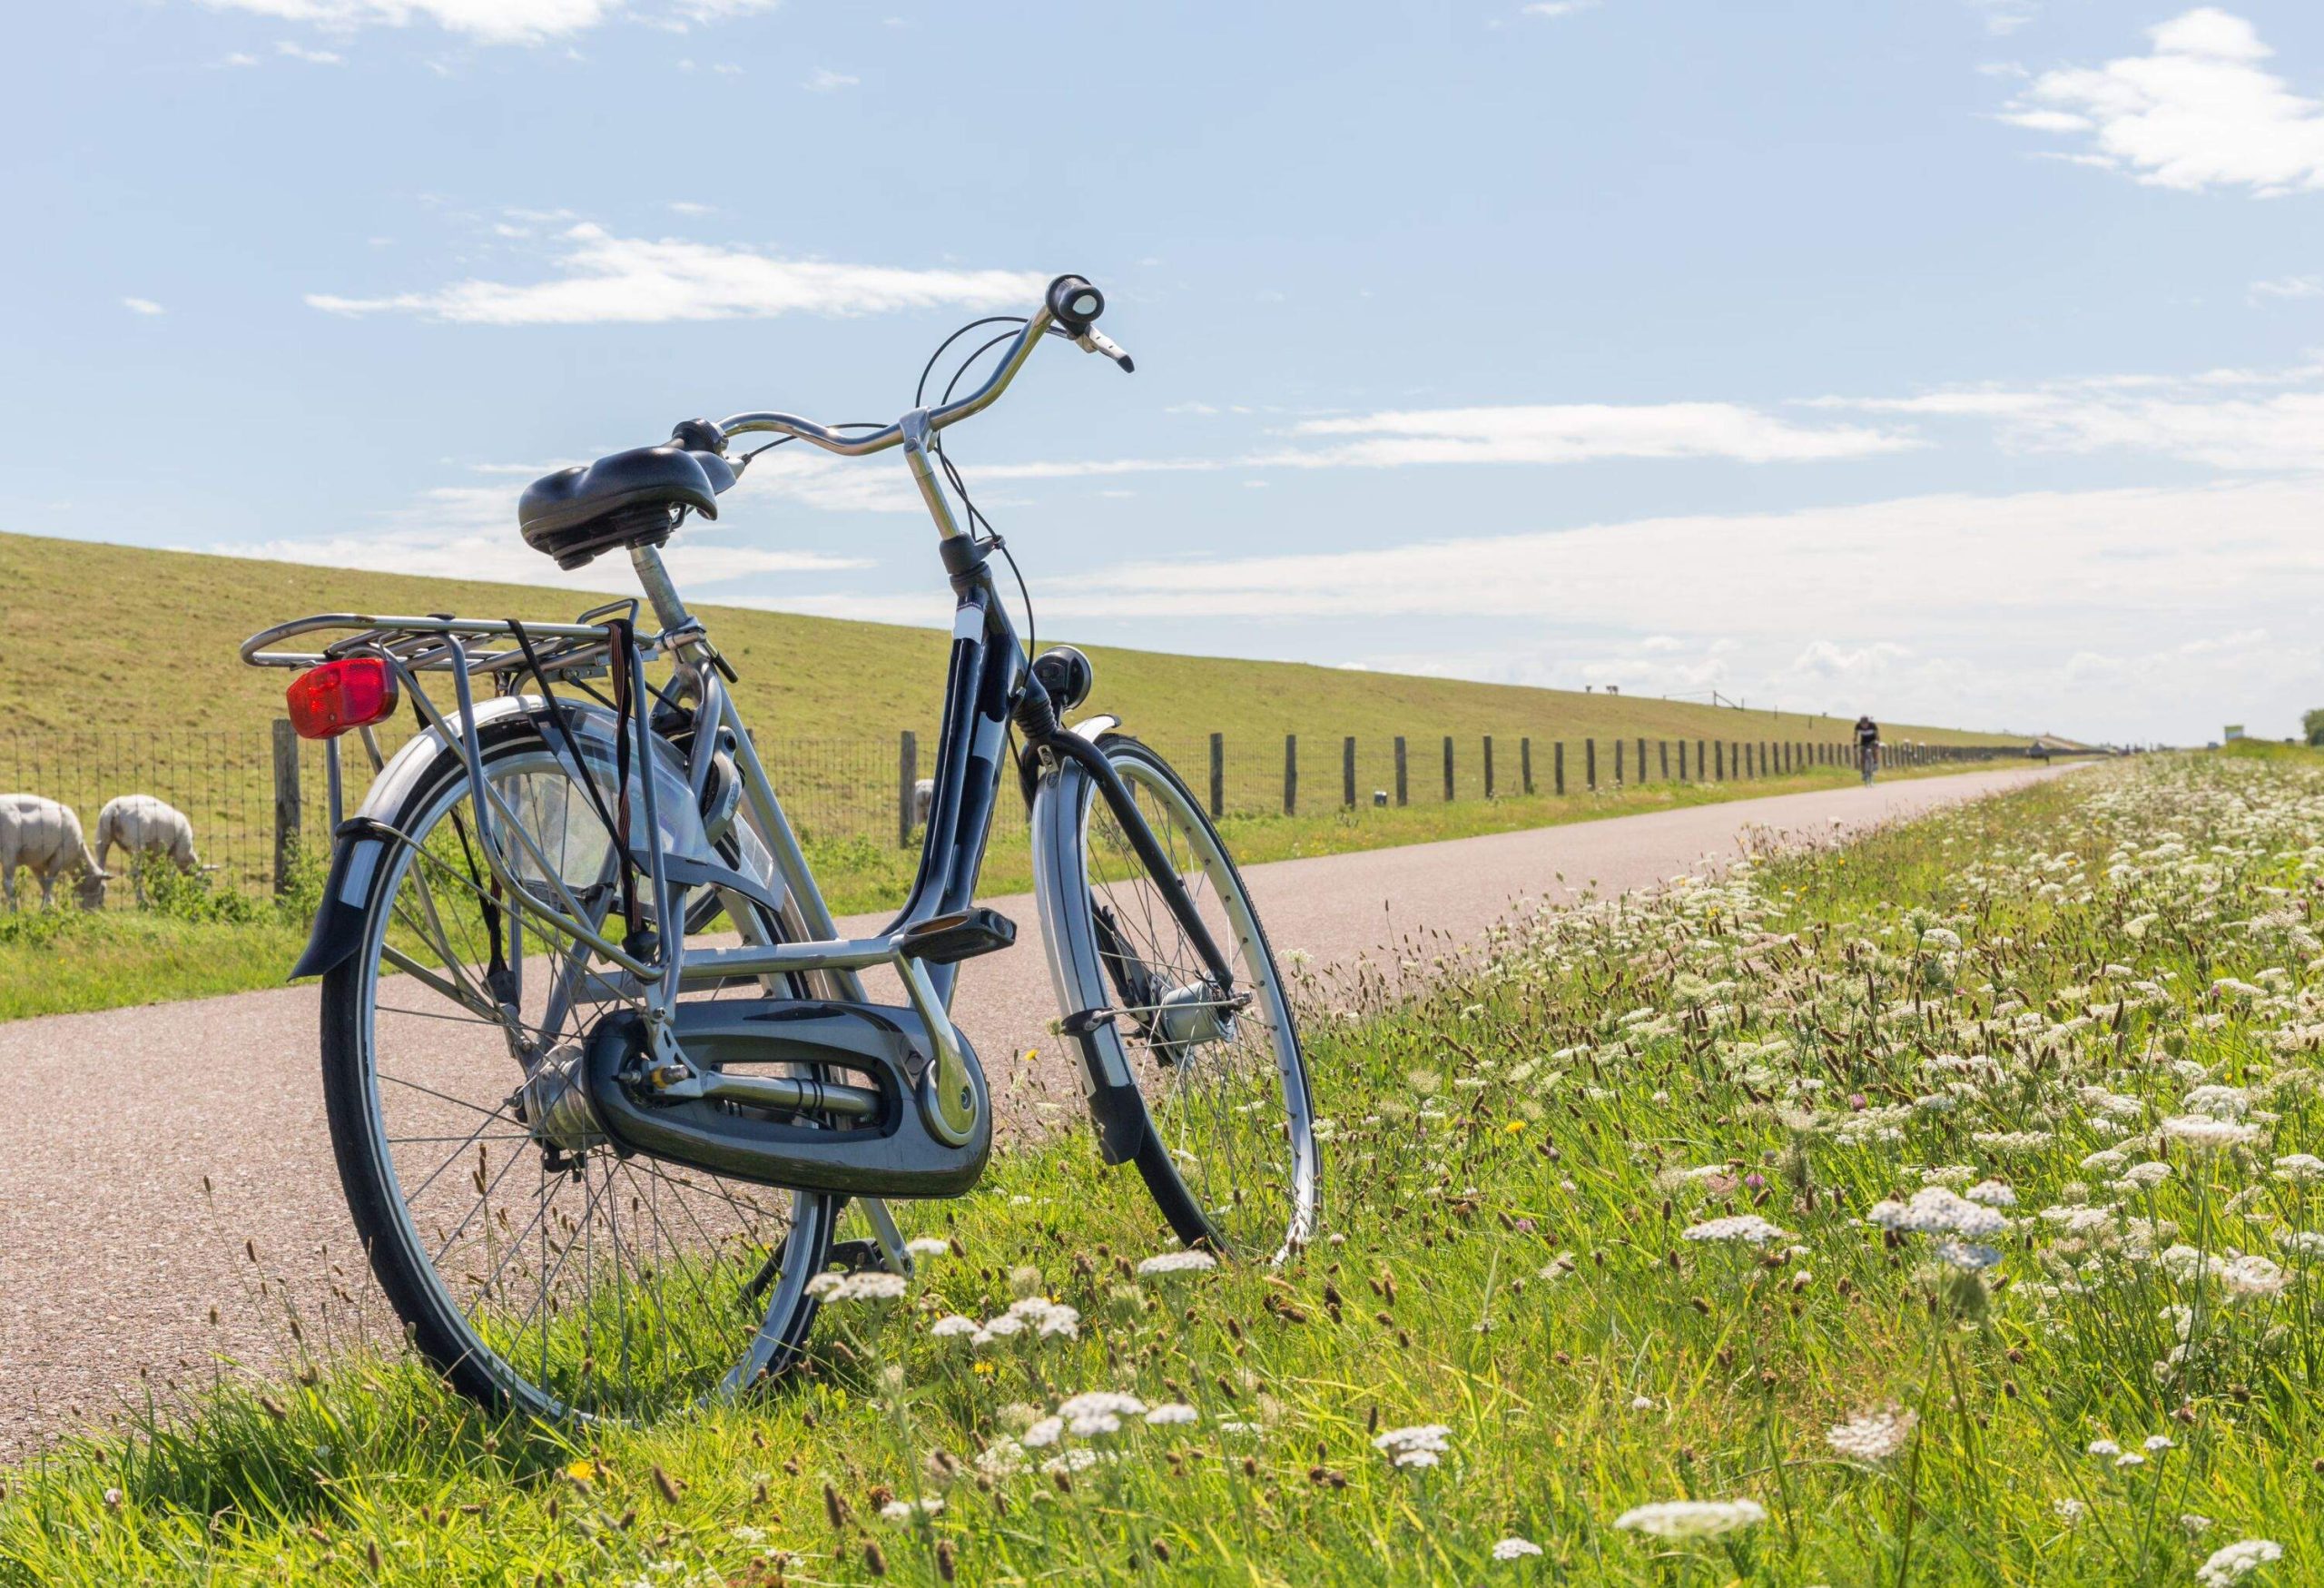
[258,802]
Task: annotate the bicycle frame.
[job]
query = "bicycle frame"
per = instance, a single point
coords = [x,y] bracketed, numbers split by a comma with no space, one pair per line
[990,688]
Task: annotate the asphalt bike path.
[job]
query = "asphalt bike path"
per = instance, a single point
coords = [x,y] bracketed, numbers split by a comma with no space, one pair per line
[113,1256]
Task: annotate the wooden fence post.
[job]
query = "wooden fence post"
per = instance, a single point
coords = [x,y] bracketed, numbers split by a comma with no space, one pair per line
[1718,759]
[1290,774]
[1589,763]
[1400,769]
[1347,771]
[1641,759]
[1619,778]
[1487,766]
[907,776]
[1218,776]
[1525,763]
[1448,768]
[1662,754]
[286,804]
[1557,759]
[1698,761]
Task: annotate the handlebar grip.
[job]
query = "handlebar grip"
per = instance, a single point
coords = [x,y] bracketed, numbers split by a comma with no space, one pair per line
[1075,303]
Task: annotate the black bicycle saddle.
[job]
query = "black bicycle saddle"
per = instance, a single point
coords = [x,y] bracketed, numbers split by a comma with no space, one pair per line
[627,499]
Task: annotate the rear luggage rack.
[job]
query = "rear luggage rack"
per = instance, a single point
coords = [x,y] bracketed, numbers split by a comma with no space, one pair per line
[429,644]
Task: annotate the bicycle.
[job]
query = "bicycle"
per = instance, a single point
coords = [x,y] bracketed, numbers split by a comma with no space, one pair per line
[600,1074]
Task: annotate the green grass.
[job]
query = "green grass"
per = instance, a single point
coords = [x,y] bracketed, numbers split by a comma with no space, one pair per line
[2019,992]
[133,640]
[62,960]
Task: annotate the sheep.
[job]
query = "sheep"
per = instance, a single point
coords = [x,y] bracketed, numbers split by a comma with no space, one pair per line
[45,837]
[144,825]
[923,800]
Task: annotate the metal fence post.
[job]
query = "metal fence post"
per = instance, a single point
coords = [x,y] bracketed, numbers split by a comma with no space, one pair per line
[1290,774]
[1347,771]
[907,781]
[1487,766]
[1448,768]
[1525,763]
[286,804]
[1400,769]
[1218,776]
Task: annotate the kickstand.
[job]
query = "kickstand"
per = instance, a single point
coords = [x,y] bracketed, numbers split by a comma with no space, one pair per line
[892,1239]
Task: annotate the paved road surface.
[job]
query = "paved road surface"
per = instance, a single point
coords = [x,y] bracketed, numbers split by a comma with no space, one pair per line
[112,1256]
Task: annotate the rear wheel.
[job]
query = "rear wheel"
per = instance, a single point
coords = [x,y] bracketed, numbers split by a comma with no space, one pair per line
[532,1263]
[1229,1149]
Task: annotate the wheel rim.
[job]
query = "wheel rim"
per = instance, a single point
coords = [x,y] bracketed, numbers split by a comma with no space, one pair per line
[1232,1114]
[579,1282]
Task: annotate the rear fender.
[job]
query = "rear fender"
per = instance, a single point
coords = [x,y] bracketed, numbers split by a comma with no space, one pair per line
[1108,1085]
[357,847]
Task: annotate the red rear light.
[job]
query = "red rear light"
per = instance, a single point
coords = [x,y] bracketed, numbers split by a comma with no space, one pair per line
[351,693]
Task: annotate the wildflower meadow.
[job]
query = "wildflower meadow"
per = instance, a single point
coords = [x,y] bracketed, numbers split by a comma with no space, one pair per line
[1941,1207]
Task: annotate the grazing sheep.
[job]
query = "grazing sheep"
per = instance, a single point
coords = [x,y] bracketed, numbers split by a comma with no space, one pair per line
[144,826]
[45,838]
[923,798]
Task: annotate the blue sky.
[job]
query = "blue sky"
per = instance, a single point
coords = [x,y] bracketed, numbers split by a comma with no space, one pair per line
[1958,359]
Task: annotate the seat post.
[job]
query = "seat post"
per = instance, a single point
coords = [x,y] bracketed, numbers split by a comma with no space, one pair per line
[660,593]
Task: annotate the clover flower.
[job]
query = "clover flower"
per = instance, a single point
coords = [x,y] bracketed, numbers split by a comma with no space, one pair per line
[1692,1518]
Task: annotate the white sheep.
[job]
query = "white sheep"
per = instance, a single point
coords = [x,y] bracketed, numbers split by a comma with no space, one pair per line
[45,838]
[144,826]
[923,800]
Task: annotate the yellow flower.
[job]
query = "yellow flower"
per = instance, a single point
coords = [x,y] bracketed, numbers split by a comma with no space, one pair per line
[1513,1127]
[984,1369]
[582,1472]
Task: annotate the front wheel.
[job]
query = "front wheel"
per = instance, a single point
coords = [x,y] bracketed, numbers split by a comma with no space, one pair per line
[1228,1149]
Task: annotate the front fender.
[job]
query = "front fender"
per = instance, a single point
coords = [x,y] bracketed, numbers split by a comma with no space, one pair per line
[1060,805]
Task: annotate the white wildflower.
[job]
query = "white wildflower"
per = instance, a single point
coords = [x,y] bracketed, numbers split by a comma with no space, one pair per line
[1171,1412]
[869,1286]
[928,1246]
[1692,1518]
[1186,1262]
[2204,1133]
[2237,1560]
[951,1325]
[1746,1228]
[1513,1548]
[1873,1437]
[1420,1446]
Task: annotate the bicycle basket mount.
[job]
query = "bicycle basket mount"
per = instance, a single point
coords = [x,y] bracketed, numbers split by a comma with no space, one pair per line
[627,498]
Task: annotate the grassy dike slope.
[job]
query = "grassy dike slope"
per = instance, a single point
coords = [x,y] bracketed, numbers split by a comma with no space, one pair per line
[130,638]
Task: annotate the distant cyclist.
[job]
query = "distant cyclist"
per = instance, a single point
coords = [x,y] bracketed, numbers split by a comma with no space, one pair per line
[1867,746]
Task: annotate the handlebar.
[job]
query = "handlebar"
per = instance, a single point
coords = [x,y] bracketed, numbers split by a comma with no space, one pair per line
[1070,305]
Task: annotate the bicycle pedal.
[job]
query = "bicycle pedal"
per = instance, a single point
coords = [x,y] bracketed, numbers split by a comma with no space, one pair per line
[945,940]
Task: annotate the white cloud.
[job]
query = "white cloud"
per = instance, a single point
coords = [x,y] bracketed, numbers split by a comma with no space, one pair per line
[2288,287]
[2198,111]
[824,80]
[141,306]
[1577,432]
[601,278]
[2004,16]
[298,51]
[495,22]
[2237,420]
[1948,608]
[1560,7]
